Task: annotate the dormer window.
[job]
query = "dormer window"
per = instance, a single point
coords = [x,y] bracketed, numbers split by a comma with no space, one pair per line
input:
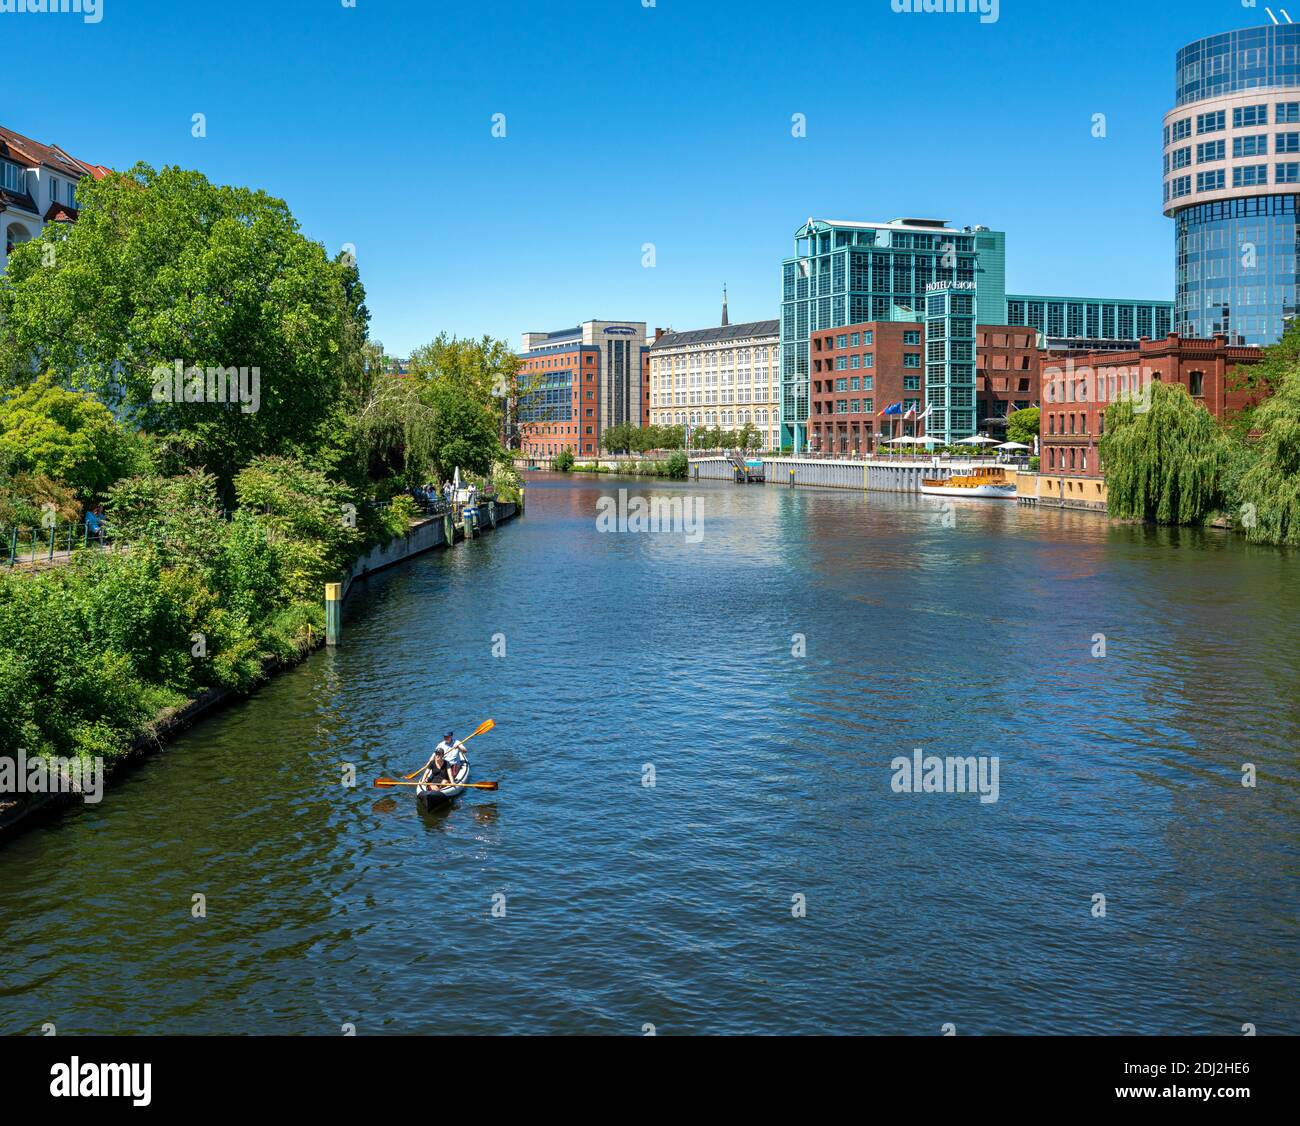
[13,177]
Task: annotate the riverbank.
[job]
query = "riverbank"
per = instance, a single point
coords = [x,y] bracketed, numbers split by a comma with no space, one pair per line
[24,812]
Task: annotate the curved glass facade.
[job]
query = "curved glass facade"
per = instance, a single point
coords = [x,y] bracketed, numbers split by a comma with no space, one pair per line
[1237,262]
[1239,60]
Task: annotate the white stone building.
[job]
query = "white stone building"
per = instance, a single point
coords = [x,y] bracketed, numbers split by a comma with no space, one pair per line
[38,185]
[726,376]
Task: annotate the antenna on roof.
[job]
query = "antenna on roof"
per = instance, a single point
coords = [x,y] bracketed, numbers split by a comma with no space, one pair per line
[1285,16]
[1271,15]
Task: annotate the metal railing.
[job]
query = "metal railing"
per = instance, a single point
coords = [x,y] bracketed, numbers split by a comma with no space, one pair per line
[32,545]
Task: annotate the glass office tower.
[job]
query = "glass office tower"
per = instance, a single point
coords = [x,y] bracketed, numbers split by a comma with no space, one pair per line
[1231,182]
[846,273]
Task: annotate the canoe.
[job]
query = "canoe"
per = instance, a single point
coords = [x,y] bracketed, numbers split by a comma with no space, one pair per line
[431,797]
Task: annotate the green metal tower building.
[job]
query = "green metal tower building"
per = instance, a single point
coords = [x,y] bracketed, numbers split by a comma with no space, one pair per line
[951,310]
[846,273]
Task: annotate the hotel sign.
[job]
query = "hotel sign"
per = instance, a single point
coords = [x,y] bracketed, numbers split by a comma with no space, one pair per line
[934,287]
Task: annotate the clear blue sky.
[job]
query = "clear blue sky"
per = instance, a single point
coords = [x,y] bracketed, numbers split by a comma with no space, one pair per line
[628,125]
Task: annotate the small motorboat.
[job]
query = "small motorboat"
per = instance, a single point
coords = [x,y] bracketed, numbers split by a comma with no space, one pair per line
[984,483]
[432,797]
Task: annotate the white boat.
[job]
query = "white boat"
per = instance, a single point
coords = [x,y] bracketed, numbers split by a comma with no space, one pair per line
[980,483]
[431,797]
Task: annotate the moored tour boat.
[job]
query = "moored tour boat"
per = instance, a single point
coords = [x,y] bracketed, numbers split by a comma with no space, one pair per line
[431,797]
[987,483]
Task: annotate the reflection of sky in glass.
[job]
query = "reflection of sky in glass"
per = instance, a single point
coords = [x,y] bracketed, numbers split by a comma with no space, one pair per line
[1236,271]
[1239,60]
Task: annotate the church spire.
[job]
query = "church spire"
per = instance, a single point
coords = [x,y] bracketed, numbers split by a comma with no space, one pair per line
[725,322]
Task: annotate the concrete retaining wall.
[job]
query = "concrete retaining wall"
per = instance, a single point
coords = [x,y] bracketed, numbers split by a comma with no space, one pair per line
[878,476]
[424,536]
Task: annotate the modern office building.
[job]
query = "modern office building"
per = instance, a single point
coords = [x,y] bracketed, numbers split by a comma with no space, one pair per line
[38,185]
[848,273]
[1231,183]
[581,381]
[867,386]
[725,376]
[1090,324]
[869,381]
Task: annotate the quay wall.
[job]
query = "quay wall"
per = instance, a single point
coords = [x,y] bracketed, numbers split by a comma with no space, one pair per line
[885,475]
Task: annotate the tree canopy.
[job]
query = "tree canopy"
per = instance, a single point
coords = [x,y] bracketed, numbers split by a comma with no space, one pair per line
[1022,425]
[164,269]
[66,436]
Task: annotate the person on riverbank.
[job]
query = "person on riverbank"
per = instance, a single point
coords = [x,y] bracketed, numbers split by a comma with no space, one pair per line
[95,525]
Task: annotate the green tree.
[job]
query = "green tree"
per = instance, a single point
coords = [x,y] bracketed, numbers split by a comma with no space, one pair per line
[1022,426]
[66,436]
[166,267]
[1267,500]
[1164,460]
[464,434]
[313,521]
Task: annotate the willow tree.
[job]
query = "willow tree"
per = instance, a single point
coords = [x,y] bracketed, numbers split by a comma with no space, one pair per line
[1164,457]
[1268,503]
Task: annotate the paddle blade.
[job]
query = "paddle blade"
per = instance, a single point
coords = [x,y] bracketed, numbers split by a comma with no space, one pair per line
[482,785]
[388,781]
[482,728]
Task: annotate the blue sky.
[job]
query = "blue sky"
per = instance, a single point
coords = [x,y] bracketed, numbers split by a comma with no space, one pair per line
[629,125]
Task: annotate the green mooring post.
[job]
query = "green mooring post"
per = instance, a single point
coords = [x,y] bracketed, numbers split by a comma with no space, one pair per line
[333,613]
[792,476]
[492,513]
[522,490]
[448,529]
[468,521]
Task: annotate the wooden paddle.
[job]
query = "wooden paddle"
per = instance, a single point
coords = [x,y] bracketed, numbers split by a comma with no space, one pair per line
[444,786]
[481,729]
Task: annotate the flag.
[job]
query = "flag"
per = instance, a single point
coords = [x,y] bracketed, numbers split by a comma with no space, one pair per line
[893,408]
[926,414]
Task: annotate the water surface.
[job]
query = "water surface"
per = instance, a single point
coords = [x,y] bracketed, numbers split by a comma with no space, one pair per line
[627,905]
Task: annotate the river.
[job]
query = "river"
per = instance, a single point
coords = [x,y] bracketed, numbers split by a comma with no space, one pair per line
[771,879]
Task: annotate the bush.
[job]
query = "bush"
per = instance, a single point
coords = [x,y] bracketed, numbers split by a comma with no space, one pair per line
[677,466]
[563,461]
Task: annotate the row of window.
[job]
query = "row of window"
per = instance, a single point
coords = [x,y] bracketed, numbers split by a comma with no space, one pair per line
[1079,462]
[1243,176]
[1254,144]
[1243,117]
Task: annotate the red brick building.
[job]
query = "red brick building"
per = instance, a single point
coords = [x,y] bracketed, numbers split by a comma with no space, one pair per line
[563,409]
[862,371]
[1008,366]
[1078,388]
